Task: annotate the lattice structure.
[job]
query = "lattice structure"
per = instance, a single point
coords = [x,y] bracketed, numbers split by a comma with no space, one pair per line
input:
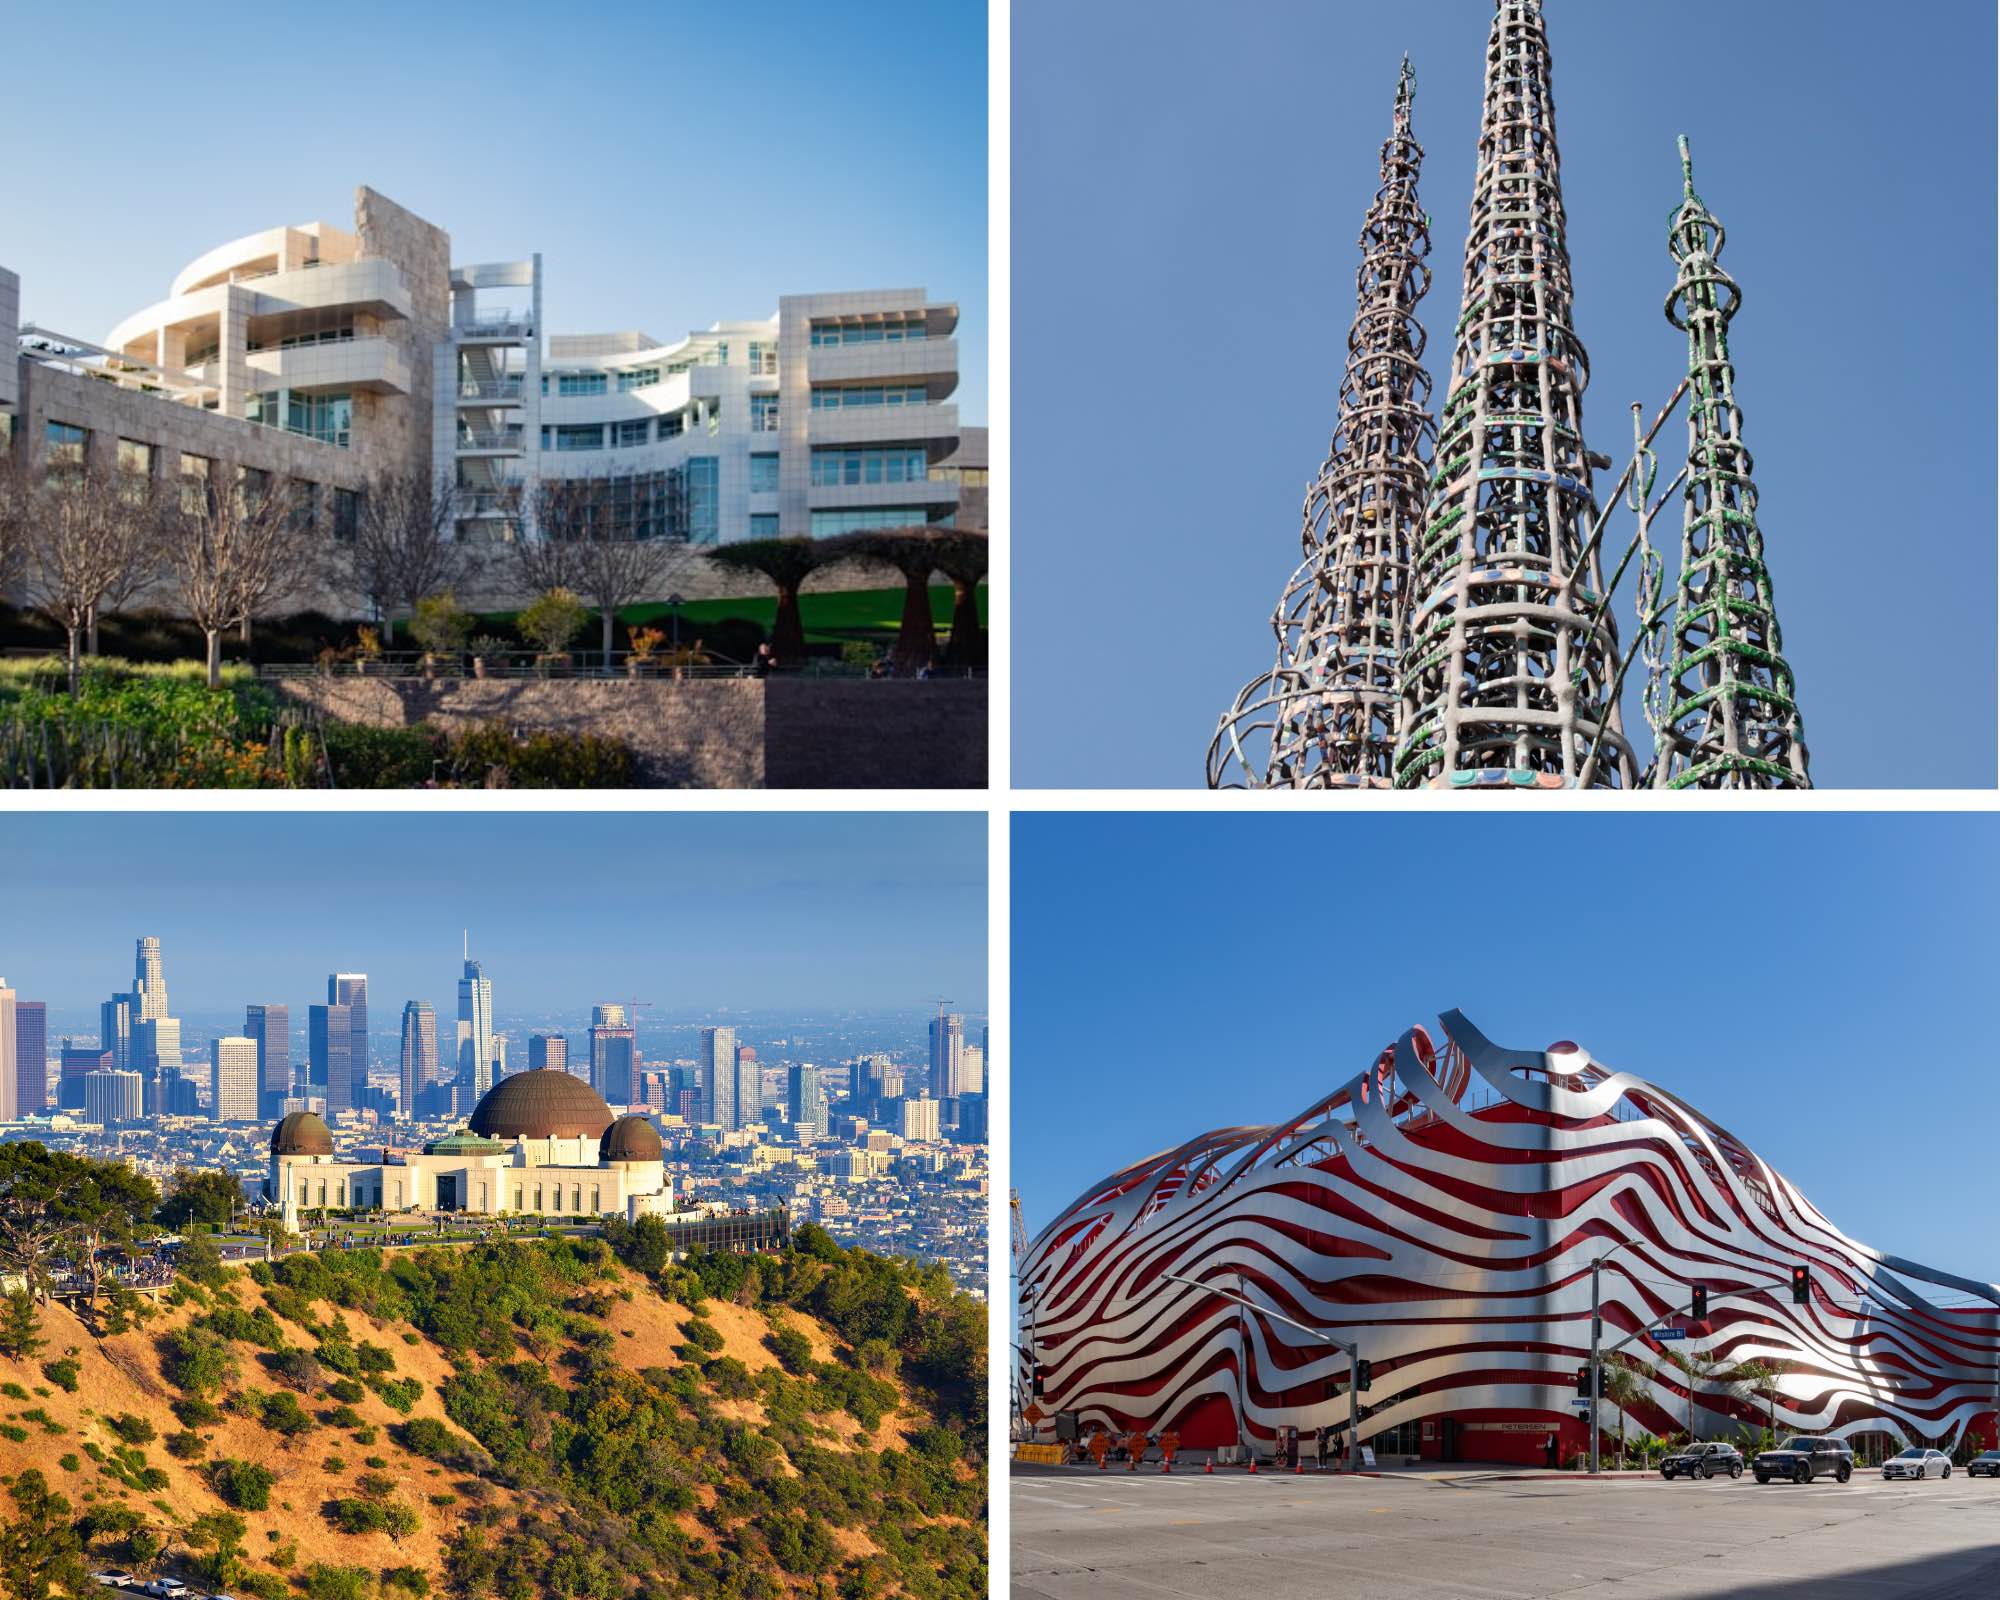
[1512,651]
[1325,716]
[1727,716]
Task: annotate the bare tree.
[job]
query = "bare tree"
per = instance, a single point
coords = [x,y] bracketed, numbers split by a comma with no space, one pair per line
[15,498]
[405,545]
[585,540]
[84,542]
[233,552]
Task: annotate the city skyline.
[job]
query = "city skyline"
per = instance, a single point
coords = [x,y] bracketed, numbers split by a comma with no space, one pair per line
[924,183]
[791,884]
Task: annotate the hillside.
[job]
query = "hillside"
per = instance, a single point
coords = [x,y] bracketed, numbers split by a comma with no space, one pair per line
[520,1419]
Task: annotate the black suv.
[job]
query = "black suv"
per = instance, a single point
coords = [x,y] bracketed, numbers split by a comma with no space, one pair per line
[1802,1460]
[1703,1461]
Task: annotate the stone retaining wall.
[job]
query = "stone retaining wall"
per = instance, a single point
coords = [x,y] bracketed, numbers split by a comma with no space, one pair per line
[711,733]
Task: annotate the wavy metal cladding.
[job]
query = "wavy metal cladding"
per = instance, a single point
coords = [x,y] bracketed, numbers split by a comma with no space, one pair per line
[1512,650]
[1727,715]
[1442,1211]
[1325,716]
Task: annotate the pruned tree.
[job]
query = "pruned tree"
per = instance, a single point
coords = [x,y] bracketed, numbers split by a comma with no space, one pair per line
[405,545]
[234,552]
[16,492]
[83,542]
[787,563]
[585,542]
[912,552]
[1624,1387]
[962,557]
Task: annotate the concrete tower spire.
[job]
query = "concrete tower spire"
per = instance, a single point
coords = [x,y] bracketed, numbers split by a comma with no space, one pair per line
[1325,716]
[1509,662]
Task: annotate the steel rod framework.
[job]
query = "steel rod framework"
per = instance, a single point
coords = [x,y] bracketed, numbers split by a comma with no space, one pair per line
[1325,716]
[1508,677]
[1729,715]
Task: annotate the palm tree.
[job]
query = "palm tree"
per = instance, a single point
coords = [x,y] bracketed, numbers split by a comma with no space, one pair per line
[1624,1387]
[787,563]
[1701,1370]
[1760,1377]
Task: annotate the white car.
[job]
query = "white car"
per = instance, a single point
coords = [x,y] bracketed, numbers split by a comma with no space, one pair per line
[1917,1463]
[166,1588]
[115,1580]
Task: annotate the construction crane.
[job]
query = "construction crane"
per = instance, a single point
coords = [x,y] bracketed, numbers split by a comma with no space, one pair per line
[1020,1228]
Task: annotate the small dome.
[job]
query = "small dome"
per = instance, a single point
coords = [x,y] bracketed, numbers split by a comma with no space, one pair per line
[543,1103]
[301,1134]
[632,1138]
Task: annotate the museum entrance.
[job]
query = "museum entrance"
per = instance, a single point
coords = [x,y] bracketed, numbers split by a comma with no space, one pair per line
[447,1192]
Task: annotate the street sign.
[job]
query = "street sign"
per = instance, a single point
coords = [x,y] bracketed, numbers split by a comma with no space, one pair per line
[1666,1333]
[1577,1405]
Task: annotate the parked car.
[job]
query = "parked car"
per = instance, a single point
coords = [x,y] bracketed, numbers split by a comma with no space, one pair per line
[166,1588]
[1984,1465]
[1803,1459]
[1917,1462]
[115,1580]
[1703,1461]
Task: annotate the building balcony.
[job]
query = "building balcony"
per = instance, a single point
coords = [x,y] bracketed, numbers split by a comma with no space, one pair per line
[485,391]
[910,358]
[940,497]
[373,365]
[883,425]
[495,327]
[490,441]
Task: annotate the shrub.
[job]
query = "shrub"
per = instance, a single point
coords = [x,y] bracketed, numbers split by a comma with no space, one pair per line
[195,1412]
[133,1430]
[411,1580]
[335,1583]
[703,1335]
[282,1413]
[552,619]
[399,1394]
[64,1374]
[439,626]
[186,1446]
[195,1360]
[242,1484]
[345,1390]
[299,1368]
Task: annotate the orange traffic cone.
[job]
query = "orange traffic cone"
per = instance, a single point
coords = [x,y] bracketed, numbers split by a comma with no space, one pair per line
[1253,1463]
[1209,1470]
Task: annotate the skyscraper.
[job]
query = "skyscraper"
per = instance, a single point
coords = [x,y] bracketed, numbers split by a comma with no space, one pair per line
[269,1027]
[548,1052]
[972,1074]
[10,1105]
[31,1057]
[749,1087]
[114,1028]
[947,1054]
[330,1055]
[156,1057]
[420,1055]
[149,981]
[350,989]
[78,1060]
[717,1067]
[475,1027]
[233,1080]
[113,1099]
[1511,627]
[805,1099]
[614,1054]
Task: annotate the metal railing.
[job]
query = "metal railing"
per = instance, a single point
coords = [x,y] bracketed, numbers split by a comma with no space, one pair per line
[489,389]
[490,439]
[520,664]
[496,325]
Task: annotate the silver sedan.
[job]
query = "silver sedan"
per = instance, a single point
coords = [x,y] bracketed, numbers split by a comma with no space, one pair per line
[1917,1463]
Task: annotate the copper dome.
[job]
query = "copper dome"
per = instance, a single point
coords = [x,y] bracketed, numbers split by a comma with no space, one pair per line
[301,1134]
[632,1138]
[543,1103]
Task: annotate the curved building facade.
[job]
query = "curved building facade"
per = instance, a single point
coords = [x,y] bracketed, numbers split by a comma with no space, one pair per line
[1443,1211]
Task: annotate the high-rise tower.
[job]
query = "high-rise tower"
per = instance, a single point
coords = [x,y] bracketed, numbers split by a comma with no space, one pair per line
[475,1027]
[420,1055]
[1727,715]
[1512,650]
[1325,716]
[350,989]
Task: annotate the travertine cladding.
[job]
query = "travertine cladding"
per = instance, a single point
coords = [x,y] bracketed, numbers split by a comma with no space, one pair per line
[400,439]
[720,733]
[10,327]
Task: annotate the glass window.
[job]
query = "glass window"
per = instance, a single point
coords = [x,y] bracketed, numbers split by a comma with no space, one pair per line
[583,436]
[886,330]
[672,425]
[346,513]
[763,524]
[704,511]
[638,378]
[764,474]
[67,445]
[326,417]
[135,459]
[763,413]
[630,433]
[763,360]
[305,502]
[580,383]
[896,464]
[827,523]
[196,474]
[835,397]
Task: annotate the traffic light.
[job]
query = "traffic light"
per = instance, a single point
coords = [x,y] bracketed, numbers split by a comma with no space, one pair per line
[1583,1383]
[1701,1302]
[1035,1381]
[1364,1375]
[1801,1285]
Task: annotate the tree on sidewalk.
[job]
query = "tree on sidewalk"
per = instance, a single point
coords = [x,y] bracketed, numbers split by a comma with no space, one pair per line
[235,550]
[586,541]
[83,542]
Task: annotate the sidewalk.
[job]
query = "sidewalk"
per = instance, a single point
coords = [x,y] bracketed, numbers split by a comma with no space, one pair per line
[1196,1466]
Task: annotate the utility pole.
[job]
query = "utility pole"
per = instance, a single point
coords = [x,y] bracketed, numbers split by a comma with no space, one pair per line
[1244,1303]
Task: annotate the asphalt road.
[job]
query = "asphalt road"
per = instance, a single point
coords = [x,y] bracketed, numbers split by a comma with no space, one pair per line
[1079,1535]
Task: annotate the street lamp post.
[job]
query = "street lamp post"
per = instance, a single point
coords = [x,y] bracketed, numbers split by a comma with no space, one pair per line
[1353,1360]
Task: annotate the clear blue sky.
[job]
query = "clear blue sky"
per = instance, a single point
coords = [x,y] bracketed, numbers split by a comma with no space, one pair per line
[1819,985]
[676,165]
[1189,182]
[692,910]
